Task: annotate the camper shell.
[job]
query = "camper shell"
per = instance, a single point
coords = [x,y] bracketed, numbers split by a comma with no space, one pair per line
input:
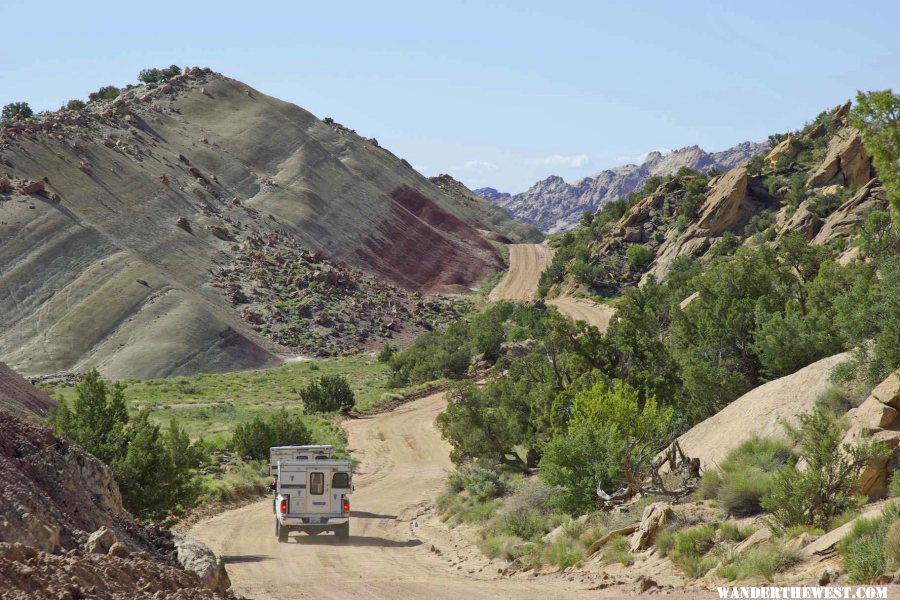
[312,492]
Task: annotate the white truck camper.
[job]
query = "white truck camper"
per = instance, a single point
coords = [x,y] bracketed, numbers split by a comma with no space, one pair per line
[311,491]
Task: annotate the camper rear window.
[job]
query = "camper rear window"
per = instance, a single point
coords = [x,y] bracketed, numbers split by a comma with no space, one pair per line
[340,480]
[317,483]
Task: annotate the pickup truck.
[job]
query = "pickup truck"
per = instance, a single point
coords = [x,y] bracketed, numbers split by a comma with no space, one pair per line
[311,494]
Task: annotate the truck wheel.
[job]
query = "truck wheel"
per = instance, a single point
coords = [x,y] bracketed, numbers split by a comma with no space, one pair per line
[281,532]
[343,534]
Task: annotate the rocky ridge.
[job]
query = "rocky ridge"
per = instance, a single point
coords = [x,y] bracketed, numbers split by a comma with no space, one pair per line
[752,207]
[552,205]
[114,219]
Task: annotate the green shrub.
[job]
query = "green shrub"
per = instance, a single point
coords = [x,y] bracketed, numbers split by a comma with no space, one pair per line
[731,532]
[638,257]
[156,469]
[253,439]
[665,541]
[762,561]
[828,486]
[328,394]
[616,551]
[593,451]
[75,104]
[15,110]
[746,475]
[507,547]
[872,547]
[710,484]
[863,554]
[689,550]
[485,484]
[109,92]
[529,524]
[564,553]
[760,222]
[157,75]
[834,400]
[387,352]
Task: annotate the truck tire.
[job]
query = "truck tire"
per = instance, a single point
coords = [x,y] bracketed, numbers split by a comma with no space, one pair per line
[281,532]
[343,533]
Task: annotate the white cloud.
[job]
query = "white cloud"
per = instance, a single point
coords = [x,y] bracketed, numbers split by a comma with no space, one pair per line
[479,165]
[559,160]
[627,159]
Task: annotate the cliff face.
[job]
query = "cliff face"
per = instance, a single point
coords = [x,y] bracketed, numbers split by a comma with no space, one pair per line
[116,219]
[553,205]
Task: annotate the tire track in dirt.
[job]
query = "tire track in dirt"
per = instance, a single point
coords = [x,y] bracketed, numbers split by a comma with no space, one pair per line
[387,555]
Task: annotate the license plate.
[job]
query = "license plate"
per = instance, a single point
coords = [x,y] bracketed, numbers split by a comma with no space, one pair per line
[315,519]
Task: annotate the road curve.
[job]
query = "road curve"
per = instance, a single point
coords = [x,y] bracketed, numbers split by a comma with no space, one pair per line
[402,469]
[526,263]
[579,309]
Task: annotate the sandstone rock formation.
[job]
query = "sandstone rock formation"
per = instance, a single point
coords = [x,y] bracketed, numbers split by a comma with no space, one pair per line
[846,160]
[553,205]
[726,202]
[876,420]
[655,518]
[761,412]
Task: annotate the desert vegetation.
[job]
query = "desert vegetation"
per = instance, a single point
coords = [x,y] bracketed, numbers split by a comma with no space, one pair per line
[591,410]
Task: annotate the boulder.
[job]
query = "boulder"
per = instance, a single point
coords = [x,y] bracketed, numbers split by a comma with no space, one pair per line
[873,413]
[32,187]
[633,234]
[220,232]
[803,220]
[654,520]
[759,536]
[788,147]
[100,541]
[888,391]
[846,158]
[119,550]
[873,477]
[5,185]
[196,557]
[828,576]
[843,221]
[183,223]
[724,204]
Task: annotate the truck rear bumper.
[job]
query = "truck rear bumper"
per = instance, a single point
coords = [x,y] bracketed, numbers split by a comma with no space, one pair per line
[313,523]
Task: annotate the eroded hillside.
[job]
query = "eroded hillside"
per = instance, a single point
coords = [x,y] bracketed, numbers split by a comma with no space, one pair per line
[118,221]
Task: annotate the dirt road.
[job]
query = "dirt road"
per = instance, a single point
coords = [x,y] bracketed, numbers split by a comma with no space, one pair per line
[526,263]
[579,309]
[402,469]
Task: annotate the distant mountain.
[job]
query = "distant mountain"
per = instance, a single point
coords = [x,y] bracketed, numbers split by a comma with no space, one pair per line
[553,205]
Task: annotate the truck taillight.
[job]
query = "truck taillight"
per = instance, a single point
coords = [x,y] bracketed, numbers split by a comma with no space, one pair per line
[346,506]
[284,506]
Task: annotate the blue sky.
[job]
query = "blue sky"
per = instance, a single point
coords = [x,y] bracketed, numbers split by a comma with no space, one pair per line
[499,93]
